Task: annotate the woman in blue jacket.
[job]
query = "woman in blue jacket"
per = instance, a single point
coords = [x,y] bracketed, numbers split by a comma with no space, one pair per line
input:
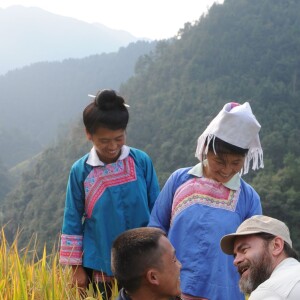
[110,189]
[200,204]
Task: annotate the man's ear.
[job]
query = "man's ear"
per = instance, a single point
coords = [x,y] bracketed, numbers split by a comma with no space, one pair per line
[152,276]
[277,246]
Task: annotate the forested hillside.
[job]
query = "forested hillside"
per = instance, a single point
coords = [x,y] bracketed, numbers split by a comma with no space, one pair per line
[39,100]
[36,204]
[243,50]
[5,181]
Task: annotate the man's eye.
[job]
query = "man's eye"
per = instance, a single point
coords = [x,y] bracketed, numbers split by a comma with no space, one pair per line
[244,250]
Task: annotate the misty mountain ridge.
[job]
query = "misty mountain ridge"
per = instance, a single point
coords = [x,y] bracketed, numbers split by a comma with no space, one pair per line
[30,34]
[38,101]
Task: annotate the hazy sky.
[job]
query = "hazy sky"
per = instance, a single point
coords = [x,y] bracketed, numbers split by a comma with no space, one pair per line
[156,19]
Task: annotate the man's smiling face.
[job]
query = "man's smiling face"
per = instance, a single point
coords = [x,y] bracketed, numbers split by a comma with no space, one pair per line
[253,260]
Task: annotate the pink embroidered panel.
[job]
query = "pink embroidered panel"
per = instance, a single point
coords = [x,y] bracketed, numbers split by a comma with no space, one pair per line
[100,178]
[206,192]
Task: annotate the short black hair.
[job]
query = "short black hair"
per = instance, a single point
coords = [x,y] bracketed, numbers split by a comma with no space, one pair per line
[221,147]
[133,253]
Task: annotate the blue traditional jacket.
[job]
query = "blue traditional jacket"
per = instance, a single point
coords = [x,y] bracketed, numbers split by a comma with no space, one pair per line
[196,212]
[102,201]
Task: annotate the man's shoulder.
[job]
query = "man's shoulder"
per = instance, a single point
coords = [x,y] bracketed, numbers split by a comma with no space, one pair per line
[265,294]
[282,281]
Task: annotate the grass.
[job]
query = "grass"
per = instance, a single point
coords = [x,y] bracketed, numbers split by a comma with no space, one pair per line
[25,276]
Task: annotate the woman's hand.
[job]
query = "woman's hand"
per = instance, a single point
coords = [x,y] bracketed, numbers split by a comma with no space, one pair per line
[80,277]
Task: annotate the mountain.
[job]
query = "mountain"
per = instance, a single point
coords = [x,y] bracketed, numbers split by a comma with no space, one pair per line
[16,146]
[242,50]
[31,35]
[38,101]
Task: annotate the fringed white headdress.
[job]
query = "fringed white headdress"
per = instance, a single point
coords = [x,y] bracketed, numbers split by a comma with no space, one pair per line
[236,125]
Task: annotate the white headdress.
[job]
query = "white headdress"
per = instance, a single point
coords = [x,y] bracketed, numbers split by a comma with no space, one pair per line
[236,125]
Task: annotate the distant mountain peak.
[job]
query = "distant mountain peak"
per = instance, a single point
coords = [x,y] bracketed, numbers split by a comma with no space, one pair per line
[31,34]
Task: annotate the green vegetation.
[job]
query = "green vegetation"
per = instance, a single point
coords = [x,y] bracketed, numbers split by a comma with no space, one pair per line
[243,50]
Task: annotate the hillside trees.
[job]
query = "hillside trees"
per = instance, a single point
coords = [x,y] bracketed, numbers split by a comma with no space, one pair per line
[36,206]
[5,181]
[280,191]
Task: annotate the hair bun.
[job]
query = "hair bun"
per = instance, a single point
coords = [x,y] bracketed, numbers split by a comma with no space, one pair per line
[108,100]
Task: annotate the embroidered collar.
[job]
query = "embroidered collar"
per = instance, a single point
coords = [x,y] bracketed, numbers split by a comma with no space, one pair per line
[233,184]
[94,161]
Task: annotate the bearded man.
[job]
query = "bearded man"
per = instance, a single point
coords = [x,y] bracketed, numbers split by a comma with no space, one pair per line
[265,259]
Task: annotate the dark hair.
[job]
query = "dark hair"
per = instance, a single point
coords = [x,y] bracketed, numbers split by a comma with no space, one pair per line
[221,147]
[288,250]
[133,253]
[107,111]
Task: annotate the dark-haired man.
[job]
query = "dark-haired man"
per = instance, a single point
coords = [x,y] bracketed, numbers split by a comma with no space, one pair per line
[145,265]
[267,263]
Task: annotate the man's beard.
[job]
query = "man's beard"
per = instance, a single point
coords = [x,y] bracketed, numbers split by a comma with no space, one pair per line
[259,270]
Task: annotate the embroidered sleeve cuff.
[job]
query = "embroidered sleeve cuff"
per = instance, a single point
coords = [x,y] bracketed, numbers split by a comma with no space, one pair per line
[71,249]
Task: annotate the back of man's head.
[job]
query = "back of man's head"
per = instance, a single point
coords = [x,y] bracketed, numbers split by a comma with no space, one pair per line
[133,253]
